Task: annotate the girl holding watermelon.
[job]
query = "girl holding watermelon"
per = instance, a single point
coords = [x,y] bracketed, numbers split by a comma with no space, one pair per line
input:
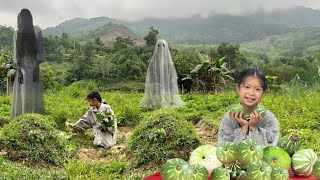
[248,119]
[100,117]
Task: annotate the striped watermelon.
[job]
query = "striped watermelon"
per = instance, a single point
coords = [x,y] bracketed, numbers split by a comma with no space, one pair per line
[220,173]
[198,172]
[276,157]
[175,168]
[290,143]
[303,161]
[259,170]
[279,173]
[206,156]
[316,169]
[227,152]
[249,151]
[239,108]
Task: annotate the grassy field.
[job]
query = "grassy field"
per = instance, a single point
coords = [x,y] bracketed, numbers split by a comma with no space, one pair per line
[297,109]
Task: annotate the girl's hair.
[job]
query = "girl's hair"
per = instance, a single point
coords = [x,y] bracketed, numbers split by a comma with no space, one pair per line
[26,39]
[94,95]
[253,72]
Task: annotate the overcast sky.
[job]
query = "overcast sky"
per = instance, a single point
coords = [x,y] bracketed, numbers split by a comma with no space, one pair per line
[48,13]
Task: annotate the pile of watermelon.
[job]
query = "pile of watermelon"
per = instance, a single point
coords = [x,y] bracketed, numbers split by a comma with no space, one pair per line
[247,161]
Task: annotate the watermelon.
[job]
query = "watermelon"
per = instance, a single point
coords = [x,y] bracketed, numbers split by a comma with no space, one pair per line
[206,156]
[236,166]
[303,161]
[276,157]
[198,172]
[220,173]
[227,152]
[316,169]
[279,173]
[238,108]
[259,170]
[290,143]
[175,168]
[249,151]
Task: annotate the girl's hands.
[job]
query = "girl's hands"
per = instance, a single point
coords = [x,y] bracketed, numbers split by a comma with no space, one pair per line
[255,118]
[238,118]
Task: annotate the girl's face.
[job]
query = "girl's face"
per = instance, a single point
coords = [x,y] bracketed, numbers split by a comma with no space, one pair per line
[250,91]
[93,102]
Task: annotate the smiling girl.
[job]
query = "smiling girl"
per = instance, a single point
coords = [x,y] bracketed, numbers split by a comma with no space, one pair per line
[251,87]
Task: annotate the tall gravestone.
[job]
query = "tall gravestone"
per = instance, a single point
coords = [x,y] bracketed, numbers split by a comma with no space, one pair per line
[28,53]
[161,87]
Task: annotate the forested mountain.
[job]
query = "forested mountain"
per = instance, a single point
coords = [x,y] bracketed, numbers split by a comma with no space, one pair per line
[78,26]
[214,29]
[221,28]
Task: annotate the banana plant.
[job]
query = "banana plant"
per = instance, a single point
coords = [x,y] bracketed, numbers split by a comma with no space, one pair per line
[210,75]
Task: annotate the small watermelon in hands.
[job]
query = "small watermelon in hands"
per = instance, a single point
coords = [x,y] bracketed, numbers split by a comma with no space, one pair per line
[303,161]
[206,156]
[238,108]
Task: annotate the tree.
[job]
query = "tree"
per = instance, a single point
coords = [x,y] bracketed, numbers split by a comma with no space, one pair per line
[122,43]
[232,54]
[151,38]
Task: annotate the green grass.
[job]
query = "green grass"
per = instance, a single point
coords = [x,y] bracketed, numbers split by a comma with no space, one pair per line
[297,109]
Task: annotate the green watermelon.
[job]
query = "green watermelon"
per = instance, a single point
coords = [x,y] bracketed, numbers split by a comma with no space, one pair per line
[276,157]
[249,151]
[303,161]
[290,143]
[316,169]
[279,173]
[198,172]
[220,173]
[206,156]
[235,166]
[175,168]
[238,108]
[227,152]
[259,170]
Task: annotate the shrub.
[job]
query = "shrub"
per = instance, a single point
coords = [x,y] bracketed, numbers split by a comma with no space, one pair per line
[11,170]
[160,136]
[33,138]
[100,170]
[5,110]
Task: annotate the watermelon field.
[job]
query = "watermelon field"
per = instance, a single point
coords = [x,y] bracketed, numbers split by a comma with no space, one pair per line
[41,147]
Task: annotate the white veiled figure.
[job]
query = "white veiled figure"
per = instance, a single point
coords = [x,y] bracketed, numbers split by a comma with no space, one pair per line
[161,87]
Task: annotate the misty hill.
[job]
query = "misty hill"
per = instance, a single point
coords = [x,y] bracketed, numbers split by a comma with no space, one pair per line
[221,28]
[109,32]
[105,28]
[299,42]
[212,30]
[78,25]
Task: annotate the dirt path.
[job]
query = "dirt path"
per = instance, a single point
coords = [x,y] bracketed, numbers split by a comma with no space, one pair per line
[206,133]
[100,154]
